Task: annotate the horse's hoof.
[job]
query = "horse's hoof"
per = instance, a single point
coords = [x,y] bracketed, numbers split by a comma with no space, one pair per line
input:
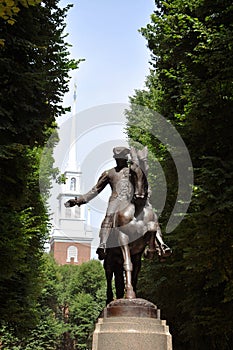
[130,294]
[166,251]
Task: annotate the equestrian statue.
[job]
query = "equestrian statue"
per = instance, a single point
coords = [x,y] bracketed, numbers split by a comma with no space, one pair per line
[130,227]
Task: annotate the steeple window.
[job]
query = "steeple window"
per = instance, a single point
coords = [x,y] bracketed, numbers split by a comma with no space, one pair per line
[73,184]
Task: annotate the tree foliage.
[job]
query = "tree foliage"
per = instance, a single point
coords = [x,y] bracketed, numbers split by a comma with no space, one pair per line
[10,8]
[34,67]
[190,84]
[67,314]
[34,70]
[83,296]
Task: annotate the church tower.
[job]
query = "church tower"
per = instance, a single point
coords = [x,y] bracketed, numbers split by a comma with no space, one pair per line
[72,236]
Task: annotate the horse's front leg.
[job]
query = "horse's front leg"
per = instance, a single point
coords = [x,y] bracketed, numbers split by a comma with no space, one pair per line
[152,247]
[164,249]
[128,266]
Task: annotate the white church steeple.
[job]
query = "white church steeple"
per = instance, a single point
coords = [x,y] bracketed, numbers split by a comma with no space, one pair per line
[73,232]
[72,164]
[72,170]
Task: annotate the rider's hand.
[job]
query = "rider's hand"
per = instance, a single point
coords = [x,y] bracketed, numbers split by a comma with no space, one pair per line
[77,201]
[70,203]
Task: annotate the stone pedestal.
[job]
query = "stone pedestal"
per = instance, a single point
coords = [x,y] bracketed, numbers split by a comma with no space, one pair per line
[131,324]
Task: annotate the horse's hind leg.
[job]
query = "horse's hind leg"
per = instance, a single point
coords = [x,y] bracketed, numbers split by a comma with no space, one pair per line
[128,266]
[109,276]
[119,282]
[136,260]
[108,268]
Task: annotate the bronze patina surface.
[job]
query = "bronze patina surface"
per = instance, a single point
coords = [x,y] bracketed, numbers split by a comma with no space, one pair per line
[130,227]
[131,308]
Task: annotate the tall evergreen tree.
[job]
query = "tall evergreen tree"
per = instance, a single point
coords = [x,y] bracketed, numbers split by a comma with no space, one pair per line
[191,85]
[34,66]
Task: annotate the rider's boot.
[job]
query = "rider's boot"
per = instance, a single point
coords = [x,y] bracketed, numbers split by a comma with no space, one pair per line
[105,230]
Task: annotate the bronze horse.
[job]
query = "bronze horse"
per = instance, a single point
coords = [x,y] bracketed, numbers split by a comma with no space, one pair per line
[148,243]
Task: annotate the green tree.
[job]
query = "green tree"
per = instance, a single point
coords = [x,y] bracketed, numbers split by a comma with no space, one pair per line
[190,84]
[82,298]
[88,279]
[10,8]
[83,314]
[34,67]
[48,333]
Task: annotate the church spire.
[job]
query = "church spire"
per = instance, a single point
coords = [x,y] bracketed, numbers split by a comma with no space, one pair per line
[72,159]
[71,240]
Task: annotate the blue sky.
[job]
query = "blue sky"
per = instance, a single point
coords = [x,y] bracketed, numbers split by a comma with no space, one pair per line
[105,33]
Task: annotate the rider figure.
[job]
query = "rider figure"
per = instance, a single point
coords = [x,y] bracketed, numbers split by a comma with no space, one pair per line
[129,194]
[124,188]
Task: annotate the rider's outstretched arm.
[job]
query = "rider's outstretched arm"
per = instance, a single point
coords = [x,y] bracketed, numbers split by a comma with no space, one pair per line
[101,184]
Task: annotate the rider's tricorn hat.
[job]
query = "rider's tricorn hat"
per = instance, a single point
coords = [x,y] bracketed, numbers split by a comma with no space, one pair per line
[120,152]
